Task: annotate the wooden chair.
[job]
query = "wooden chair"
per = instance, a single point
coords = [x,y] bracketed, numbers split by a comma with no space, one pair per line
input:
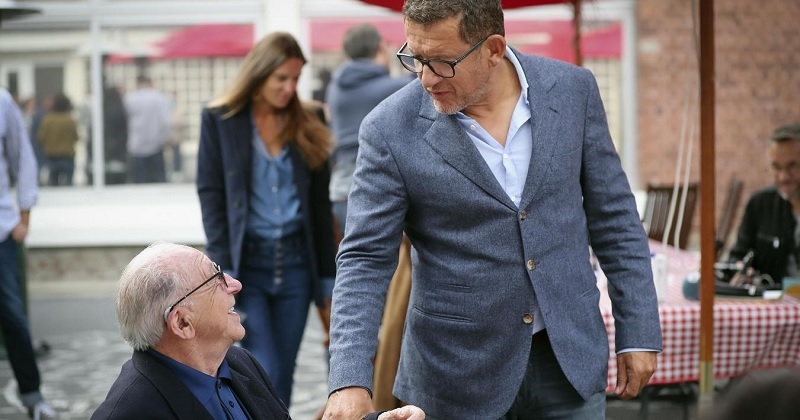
[729,207]
[657,213]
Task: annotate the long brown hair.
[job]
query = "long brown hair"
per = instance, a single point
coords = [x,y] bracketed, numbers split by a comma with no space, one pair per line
[303,128]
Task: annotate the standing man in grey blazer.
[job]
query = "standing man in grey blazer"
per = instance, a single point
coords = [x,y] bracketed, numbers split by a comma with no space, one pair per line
[500,169]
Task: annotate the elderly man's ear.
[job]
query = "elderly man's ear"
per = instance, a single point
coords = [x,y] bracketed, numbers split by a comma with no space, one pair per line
[180,323]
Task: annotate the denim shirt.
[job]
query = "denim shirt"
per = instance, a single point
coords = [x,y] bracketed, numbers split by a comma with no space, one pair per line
[510,162]
[274,203]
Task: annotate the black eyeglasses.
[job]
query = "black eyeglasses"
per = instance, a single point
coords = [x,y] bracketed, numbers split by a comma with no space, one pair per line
[218,273]
[441,68]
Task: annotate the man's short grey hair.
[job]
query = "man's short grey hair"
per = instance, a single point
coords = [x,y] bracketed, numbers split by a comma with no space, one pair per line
[479,18]
[785,133]
[362,41]
[151,282]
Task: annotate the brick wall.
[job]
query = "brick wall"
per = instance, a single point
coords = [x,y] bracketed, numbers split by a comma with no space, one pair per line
[757,87]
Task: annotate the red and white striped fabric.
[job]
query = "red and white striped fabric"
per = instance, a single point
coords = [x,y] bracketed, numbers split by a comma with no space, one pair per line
[749,333]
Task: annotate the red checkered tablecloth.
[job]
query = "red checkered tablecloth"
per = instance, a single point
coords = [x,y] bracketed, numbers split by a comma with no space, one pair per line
[748,332]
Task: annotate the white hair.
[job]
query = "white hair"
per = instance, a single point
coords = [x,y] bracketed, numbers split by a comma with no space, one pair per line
[150,282]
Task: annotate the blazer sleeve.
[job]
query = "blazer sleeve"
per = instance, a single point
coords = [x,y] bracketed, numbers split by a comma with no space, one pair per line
[616,233]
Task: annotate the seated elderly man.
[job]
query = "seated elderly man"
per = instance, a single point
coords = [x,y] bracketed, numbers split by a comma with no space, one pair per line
[175,307]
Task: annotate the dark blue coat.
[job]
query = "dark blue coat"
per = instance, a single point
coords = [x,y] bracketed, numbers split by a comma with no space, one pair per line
[224,166]
[146,389]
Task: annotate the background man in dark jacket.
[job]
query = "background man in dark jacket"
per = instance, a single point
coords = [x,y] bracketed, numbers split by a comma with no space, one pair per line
[356,87]
[769,226]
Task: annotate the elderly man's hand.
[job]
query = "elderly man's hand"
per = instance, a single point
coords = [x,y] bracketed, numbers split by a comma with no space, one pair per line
[634,370]
[408,412]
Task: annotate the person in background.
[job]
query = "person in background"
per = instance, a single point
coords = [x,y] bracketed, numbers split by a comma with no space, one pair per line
[149,118]
[500,169]
[58,135]
[262,180]
[178,133]
[17,169]
[44,106]
[175,308]
[760,394]
[356,87]
[770,226]
[115,137]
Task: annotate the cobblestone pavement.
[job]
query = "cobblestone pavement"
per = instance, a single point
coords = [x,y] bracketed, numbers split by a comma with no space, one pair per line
[83,363]
[86,353]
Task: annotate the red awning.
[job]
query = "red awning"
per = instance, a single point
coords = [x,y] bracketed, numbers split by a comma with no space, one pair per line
[224,40]
[549,38]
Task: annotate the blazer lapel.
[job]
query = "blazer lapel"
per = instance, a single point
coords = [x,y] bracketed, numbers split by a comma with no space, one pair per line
[448,139]
[180,399]
[240,147]
[249,393]
[544,117]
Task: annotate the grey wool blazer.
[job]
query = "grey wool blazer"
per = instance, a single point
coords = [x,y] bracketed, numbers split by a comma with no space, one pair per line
[478,260]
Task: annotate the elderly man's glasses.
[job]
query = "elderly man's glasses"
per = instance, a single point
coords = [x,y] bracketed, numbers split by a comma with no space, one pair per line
[441,68]
[217,274]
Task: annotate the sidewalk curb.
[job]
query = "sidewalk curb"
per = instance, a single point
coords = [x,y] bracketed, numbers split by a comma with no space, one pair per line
[72,289]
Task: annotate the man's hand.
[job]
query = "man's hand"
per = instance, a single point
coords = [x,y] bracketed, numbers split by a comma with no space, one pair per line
[634,369]
[19,232]
[351,404]
[408,412]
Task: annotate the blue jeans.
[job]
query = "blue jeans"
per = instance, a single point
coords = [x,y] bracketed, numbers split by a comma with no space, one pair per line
[275,297]
[148,169]
[546,393]
[14,324]
[339,209]
[61,170]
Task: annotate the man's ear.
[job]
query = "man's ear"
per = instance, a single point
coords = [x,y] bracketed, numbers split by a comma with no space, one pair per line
[497,48]
[180,323]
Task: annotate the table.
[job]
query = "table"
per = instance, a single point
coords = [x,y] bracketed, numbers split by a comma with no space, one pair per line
[749,333]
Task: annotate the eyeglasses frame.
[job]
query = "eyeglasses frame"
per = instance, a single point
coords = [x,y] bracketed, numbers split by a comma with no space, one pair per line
[218,273]
[426,62]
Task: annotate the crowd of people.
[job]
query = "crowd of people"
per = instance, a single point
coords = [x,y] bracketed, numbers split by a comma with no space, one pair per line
[486,173]
[142,131]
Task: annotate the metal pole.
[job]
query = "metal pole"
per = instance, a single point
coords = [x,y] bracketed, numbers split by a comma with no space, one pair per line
[576,41]
[707,187]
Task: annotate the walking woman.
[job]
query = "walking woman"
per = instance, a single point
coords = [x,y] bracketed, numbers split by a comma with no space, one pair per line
[58,135]
[262,180]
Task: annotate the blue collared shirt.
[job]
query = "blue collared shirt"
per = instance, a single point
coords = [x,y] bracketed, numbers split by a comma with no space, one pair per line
[216,394]
[274,204]
[17,165]
[509,163]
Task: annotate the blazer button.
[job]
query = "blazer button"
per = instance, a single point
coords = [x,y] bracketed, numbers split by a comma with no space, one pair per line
[530,265]
[523,215]
[527,318]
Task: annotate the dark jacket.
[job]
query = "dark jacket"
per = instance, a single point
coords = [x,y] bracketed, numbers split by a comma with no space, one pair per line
[224,166]
[146,389]
[355,89]
[767,229]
